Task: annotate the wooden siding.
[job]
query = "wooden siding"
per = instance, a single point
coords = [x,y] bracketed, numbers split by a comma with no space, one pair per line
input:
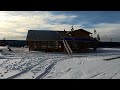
[79,33]
[45,45]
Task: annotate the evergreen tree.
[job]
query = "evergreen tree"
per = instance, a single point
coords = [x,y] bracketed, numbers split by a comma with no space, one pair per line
[3,42]
[4,39]
[95,32]
[98,37]
[110,39]
[72,29]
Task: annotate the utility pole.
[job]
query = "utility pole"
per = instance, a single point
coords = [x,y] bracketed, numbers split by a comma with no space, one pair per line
[110,39]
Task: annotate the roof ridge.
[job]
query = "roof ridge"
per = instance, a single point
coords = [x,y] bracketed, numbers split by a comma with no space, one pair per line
[41,30]
[84,30]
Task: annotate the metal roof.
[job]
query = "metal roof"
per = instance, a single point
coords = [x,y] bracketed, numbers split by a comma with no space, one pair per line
[42,35]
[63,34]
[48,35]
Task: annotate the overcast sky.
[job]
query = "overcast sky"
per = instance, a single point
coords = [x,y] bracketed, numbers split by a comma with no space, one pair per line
[15,24]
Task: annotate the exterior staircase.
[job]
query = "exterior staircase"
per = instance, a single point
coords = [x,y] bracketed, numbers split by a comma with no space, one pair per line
[67,47]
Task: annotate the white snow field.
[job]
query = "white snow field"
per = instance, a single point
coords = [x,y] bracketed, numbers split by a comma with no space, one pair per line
[22,64]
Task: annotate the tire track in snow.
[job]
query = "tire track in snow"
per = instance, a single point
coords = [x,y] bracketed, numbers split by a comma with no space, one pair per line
[29,68]
[95,75]
[82,70]
[49,68]
[108,59]
[26,70]
[114,75]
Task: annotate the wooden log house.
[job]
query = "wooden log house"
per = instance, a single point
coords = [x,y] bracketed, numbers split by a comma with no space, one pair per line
[48,40]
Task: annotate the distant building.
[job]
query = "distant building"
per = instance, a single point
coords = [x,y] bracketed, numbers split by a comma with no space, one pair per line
[3,42]
[48,40]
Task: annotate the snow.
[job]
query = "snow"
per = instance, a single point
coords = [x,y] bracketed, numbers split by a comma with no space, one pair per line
[89,67]
[22,64]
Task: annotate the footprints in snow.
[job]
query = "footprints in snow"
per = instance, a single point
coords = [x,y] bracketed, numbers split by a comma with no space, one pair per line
[68,70]
[2,74]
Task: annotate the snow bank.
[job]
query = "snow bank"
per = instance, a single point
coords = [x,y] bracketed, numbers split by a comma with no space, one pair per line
[3,47]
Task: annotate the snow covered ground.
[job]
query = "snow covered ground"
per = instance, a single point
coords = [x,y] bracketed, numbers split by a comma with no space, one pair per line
[22,64]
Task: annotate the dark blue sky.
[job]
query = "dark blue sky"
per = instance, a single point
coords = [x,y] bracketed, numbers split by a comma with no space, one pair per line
[91,17]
